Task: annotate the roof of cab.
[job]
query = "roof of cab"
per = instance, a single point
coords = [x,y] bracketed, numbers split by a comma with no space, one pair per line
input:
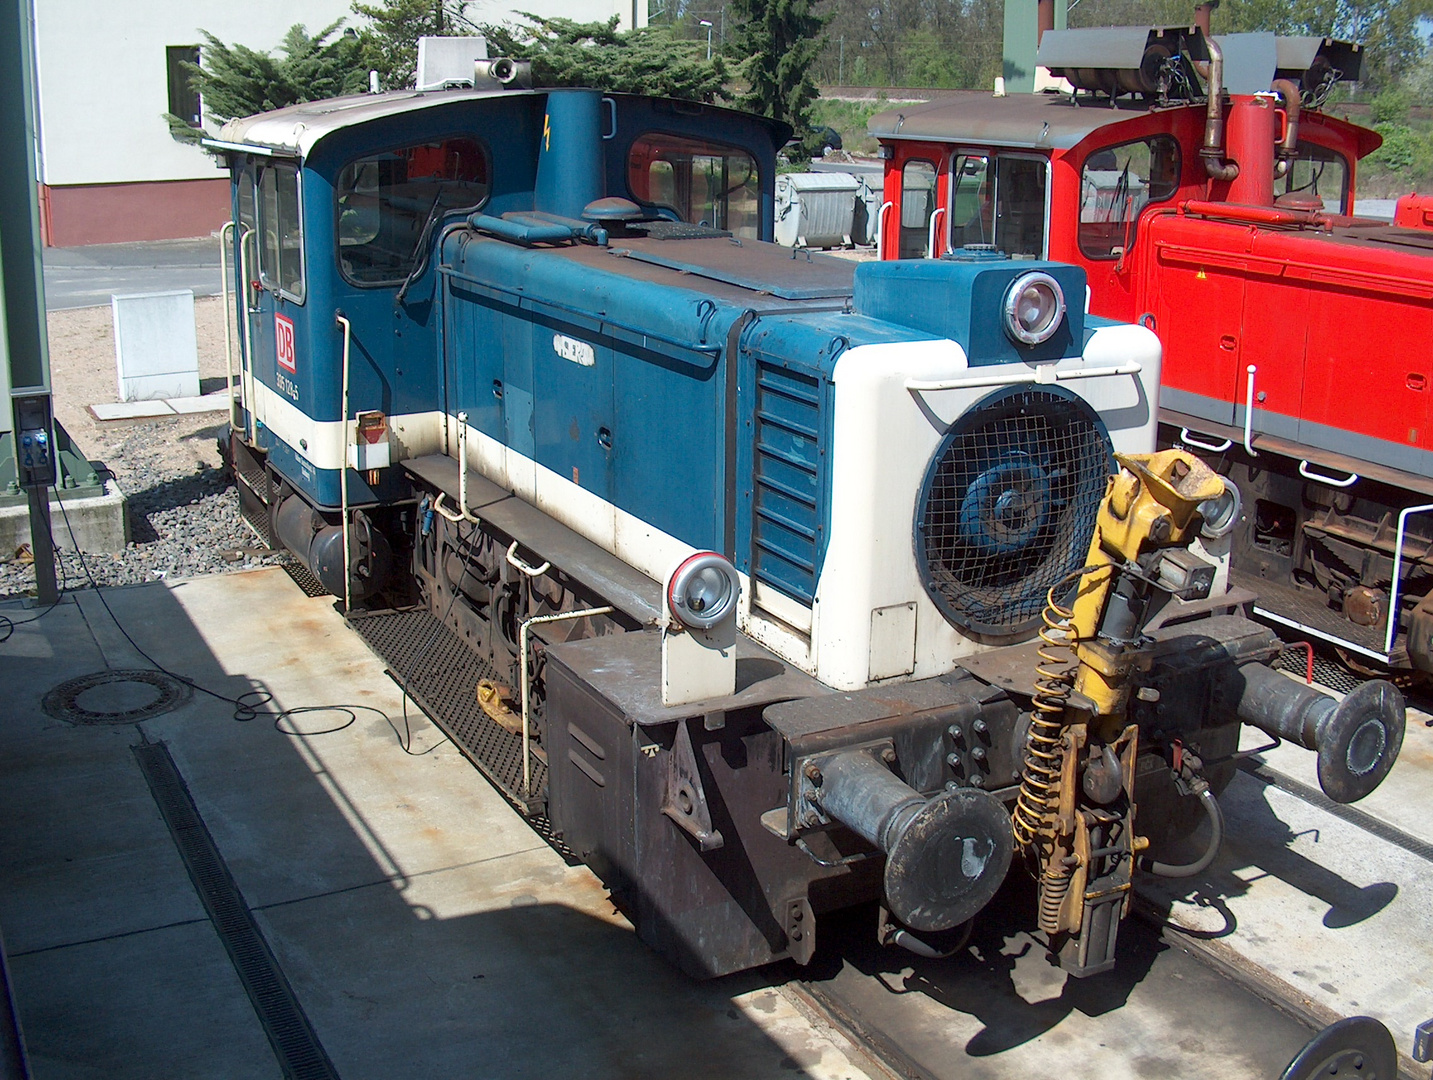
[1042,121]
[294,131]
[297,129]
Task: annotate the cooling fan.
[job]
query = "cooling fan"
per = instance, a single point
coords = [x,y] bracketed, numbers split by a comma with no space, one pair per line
[1008,506]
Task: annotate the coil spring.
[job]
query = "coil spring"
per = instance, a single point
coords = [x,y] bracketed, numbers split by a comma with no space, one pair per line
[1055,678]
[1053,890]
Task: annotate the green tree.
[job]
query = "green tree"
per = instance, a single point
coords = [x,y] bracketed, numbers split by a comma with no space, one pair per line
[649,60]
[779,39]
[389,40]
[235,80]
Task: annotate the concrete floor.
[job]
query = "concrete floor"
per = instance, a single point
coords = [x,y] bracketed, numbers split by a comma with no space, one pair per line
[426,930]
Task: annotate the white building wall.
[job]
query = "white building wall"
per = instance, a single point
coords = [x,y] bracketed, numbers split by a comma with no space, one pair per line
[103,83]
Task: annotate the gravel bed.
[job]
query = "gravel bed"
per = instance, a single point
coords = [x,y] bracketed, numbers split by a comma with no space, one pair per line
[184,521]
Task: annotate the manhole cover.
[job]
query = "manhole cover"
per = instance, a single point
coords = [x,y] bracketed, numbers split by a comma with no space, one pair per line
[115,697]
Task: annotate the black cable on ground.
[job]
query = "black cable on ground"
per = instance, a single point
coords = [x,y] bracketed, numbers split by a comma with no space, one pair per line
[248,706]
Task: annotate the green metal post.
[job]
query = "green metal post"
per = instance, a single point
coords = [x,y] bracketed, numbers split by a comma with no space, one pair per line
[24,345]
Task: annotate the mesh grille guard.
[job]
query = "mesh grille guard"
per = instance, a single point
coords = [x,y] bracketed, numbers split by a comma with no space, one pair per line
[1008,507]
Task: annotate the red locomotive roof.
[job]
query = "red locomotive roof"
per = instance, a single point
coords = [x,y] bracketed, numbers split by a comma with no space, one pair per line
[1040,120]
[1044,121]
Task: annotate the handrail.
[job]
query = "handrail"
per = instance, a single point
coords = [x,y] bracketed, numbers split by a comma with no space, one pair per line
[1039,375]
[343,472]
[713,350]
[1249,412]
[881,229]
[1187,437]
[930,232]
[523,566]
[1403,516]
[1309,474]
[462,513]
[246,376]
[227,230]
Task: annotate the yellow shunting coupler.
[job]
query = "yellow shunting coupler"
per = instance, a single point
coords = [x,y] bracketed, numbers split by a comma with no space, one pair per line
[1074,814]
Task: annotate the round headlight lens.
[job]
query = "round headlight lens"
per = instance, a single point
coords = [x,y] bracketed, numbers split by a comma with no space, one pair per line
[703,590]
[1034,308]
[1221,513]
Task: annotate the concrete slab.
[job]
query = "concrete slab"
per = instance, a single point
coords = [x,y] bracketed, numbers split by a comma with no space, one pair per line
[93,1011]
[148,410]
[204,403]
[130,410]
[97,523]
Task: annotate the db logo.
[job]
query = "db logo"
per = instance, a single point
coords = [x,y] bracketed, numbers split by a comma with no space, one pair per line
[284,343]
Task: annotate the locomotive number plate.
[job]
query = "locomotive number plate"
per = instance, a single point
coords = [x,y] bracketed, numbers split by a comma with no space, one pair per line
[579,352]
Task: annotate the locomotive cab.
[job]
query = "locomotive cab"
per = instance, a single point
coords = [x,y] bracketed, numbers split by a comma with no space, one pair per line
[738,556]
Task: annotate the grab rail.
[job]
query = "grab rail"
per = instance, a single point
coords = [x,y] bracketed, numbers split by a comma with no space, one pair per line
[1403,516]
[1187,437]
[1308,474]
[1039,375]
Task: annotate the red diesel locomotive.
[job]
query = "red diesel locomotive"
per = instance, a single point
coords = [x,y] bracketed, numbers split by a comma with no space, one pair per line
[1204,192]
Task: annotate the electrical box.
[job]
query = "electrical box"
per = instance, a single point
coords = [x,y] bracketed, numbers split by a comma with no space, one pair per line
[34,441]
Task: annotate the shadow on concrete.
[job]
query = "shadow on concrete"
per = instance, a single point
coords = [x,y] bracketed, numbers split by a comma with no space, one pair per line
[463,948]
[980,981]
[1257,839]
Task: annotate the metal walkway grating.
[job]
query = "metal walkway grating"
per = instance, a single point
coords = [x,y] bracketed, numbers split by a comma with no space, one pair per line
[295,1043]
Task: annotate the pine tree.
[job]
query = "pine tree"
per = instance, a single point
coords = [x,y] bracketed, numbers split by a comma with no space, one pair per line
[649,60]
[390,40]
[235,80]
[780,39]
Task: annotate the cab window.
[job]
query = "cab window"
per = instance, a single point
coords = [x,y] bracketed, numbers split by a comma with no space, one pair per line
[1116,184]
[387,201]
[281,247]
[998,199]
[1320,172]
[702,183]
[917,205]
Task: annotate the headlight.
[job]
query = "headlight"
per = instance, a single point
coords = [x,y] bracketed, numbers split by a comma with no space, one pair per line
[1034,308]
[1221,513]
[703,591]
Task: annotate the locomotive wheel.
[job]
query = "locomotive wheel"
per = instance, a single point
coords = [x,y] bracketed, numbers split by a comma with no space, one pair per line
[1357,1046]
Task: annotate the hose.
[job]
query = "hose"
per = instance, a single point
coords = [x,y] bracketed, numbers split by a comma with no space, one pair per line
[1201,864]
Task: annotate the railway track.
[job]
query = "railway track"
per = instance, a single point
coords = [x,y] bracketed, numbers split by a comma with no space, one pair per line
[999,1010]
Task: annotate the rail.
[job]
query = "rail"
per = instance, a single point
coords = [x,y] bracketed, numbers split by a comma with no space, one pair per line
[1403,516]
[881,229]
[1045,375]
[1308,474]
[930,232]
[522,297]
[1187,437]
[1249,412]
[343,472]
[538,620]
[462,513]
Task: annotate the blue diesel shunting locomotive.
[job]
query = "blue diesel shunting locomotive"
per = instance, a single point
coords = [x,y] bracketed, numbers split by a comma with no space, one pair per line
[740,538]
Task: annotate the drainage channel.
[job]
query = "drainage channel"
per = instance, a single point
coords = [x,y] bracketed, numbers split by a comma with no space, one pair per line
[295,1043]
